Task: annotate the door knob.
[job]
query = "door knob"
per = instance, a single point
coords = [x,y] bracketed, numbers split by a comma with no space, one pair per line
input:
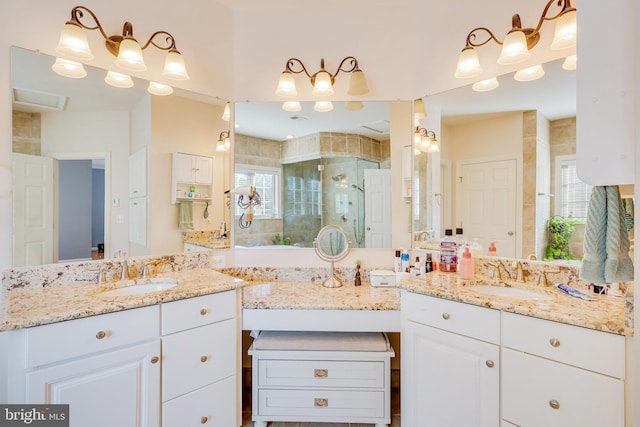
[510,233]
[368,228]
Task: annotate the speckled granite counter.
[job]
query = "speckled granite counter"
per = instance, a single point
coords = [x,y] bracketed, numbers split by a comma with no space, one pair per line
[206,238]
[604,314]
[23,308]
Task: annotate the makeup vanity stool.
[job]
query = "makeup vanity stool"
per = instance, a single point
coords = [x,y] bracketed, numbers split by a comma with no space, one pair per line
[321,377]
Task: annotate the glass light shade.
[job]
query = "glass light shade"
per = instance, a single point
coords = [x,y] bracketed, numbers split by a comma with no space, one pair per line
[358,84]
[226,113]
[425,144]
[566,31]
[130,56]
[353,105]
[227,143]
[417,139]
[468,64]
[514,48]
[486,85]
[118,80]
[323,106]
[286,85]
[435,147]
[418,109]
[73,43]
[159,89]
[67,68]
[529,74]
[322,85]
[570,62]
[220,146]
[291,106]
[174,67]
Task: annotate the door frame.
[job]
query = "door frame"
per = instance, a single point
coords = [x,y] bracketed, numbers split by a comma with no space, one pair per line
[519,190]
[96,155]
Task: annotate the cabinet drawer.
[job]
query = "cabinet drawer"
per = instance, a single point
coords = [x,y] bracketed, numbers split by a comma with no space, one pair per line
[460,318]
[194,312]
[593,350]
[540,392]
[65,340]
[213,406]
[321,373]
[321,403]
[197,357]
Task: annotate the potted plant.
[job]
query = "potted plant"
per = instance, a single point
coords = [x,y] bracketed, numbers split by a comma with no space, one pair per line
[281,240]
[559,231]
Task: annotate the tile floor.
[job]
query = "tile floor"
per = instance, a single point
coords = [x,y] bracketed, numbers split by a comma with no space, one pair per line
[246,414]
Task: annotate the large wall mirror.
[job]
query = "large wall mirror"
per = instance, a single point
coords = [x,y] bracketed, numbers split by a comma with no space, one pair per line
[314,169]
[500,153]
[73,143]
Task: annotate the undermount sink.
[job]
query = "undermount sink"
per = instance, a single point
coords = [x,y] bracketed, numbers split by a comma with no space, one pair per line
[141,286]
[504,290]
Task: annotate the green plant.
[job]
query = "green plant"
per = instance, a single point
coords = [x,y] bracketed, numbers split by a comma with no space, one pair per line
[281,240]
[559,230]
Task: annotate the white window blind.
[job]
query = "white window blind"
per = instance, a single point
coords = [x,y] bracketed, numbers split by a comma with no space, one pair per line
[572,195]
[267,183]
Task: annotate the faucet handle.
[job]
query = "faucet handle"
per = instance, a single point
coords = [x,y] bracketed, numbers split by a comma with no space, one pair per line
[102,274]
[542,278]
[497,274]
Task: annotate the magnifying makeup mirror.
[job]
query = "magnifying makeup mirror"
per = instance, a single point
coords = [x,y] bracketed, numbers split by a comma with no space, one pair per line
[332,245]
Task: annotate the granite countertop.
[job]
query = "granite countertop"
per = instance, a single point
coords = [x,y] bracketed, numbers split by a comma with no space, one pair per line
[606,313]
[206,238]
[23,308]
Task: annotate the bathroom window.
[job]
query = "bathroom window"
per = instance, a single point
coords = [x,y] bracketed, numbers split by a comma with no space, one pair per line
[266,180]
[572,195]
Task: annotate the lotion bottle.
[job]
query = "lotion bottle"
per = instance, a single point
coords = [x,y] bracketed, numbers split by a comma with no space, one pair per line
[466,265]
[492,249]
[397,263]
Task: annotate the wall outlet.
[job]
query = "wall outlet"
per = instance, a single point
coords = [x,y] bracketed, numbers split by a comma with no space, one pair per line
[219,261]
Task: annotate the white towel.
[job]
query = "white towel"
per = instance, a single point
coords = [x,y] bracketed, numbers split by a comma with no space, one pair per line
[606,242]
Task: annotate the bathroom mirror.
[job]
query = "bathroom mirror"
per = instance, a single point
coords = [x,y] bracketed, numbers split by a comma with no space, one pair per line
[519,128]
[63,126]
[332,245]
[314,169]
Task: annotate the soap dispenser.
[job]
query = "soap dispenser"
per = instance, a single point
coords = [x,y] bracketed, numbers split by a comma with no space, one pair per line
[466,265]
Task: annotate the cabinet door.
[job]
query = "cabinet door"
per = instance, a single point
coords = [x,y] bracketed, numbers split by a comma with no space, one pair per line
[204,170]
[448,379]
[540,392]
[118,388]
[138,220]
[213,405]
[183,167]
[138,173]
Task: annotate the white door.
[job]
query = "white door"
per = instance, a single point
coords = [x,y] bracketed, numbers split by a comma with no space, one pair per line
[452,381]
[118,388]
[487,204]
[377,208]
[32,210]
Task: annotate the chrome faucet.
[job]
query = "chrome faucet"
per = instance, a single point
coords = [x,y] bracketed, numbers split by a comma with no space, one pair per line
[146,265]
[519,271]
[124,271]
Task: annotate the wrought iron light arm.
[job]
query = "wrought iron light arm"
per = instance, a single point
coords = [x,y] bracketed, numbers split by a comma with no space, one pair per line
[352,65]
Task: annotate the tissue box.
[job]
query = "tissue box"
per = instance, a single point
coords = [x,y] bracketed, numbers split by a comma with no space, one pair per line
[382,278]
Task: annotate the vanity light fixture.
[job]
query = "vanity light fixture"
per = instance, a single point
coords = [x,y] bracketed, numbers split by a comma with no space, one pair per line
[291,106]
[67,68]
[519,41]
[529,74]
[74,45]
[570,62]
[486,85]
[224,141]
[353,105]
[425,141]
[226,114]
[419,110]
[118,80]
[323,106]
[159,89]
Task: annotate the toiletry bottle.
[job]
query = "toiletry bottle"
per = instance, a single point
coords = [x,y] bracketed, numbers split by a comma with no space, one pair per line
[397,262]
[492,249]
[428,265]
[448,252]
[460,242]
[404,261]
[420,265]
[466,265]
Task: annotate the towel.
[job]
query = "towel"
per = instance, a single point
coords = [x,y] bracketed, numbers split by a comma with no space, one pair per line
[606,241]
[185,215]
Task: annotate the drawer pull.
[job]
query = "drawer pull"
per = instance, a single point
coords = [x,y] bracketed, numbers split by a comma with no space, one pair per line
[204,359]
[203,312]
[204,420]
[101,334]
[554,404]
[321,403]
[490,363]
[555,342]
[445,316]
[155,359]
[320,373]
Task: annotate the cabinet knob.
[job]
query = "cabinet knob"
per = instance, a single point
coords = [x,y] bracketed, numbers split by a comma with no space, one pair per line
[555,342]
[204,420]
[320,373]
[445,316]
[554,404]
[320,402]
[155,359]
[490,363]
[204,359]
[101,334]
[203,312]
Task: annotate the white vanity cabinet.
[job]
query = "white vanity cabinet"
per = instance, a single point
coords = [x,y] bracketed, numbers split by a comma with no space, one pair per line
[450,363]
[199,361]
[93,364]
[557,375]
[191,170]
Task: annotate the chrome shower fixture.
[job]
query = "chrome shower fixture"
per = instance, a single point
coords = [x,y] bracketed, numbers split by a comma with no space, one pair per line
[339,177]
[357,188]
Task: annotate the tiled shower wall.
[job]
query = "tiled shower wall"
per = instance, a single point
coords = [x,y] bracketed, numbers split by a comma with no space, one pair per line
[26,133]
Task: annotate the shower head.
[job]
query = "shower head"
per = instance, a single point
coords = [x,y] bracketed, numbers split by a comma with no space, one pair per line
[338,177]
[356,187]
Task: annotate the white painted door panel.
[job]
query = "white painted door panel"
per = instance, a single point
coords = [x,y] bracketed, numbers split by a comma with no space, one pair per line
[377,202]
